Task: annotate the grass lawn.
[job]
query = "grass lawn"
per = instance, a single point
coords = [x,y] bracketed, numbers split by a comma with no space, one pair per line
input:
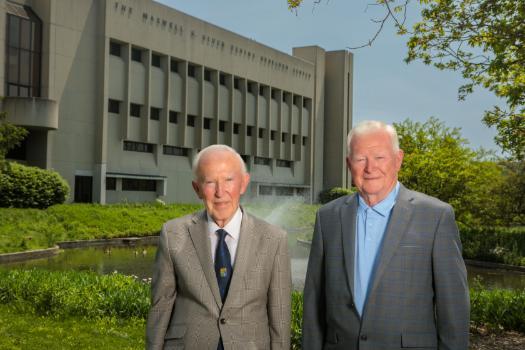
[19,330]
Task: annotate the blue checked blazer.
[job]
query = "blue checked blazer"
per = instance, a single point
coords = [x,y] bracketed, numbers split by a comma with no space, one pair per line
[418,295]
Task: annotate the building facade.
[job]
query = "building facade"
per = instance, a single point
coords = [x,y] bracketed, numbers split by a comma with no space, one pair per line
[120,95]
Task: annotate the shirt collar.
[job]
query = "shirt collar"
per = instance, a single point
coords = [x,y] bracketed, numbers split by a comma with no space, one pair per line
[233,227]
[382,208]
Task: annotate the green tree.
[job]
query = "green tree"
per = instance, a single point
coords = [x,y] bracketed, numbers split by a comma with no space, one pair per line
[10,136]
[481,39]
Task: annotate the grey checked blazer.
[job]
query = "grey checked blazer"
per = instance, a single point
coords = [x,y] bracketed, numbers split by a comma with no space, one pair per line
[418,295]
[186,310]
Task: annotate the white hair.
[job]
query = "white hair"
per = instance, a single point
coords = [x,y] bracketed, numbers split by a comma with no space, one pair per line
[370,126]
[216,148]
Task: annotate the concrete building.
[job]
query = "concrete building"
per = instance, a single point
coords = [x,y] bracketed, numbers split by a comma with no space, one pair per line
[119,96]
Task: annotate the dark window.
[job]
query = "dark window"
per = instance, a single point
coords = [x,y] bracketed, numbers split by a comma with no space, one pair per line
[139,185]
[114,48]
[155,60]
[249,130]
[305,102]
[285,95]
[265,190]
[261,160]
[236,83]
[250,87]
[222,79]
[134,110]
[206,123]
[191,120]
[261,133]
[236,127]
[304,140]
[207,75]
[274,94]
[174,117]
[284,191]
[272,135]
[175,151]
[174,66]
[245,158]
[296,100]
[111,183]
[283,163]
[261,90]
[113,106]
[23,51]
[284,136]
[83,189]
[294,138]
[191,70]
[138,147]
[136,54]
[222,125]
[154,113]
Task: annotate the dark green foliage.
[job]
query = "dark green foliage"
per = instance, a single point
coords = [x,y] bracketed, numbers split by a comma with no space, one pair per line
[297,320]
[496,244]
[328,195]
[10,137]
[30,187]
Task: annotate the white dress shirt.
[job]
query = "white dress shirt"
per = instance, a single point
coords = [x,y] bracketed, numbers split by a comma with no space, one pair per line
[233,227]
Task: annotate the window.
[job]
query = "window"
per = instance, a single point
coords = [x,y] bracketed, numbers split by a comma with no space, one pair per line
[261,161]
[111,183]
[304,140]
[274,94]
[283,163]
[236,84]
[154,113]
[249,130]
[297,100]
[284,191]
[136,54]
[272,135]
[174,66]
[207,123]
[284,137]
[83,189]
[246,159]
[261,90]
[175,151]
[285,95]
[236,128]
[222,79]
[23,40]
[250,87]
[174,117]
[294,139]
[191,120]
[138,147]
[114,48]
[265,190]
[139,185]
[207,75]
[222,125]
[155,60]
[305,103]
[191,70]
[134,110]
[261,133]
[113,106]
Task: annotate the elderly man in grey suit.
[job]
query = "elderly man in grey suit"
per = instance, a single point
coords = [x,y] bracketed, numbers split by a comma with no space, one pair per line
[385,268]
[222,277]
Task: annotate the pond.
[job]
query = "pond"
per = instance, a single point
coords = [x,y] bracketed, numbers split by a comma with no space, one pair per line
[139,261]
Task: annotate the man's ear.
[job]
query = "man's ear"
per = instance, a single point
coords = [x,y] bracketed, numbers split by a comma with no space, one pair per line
[197,189]
[399,157]
[245,182]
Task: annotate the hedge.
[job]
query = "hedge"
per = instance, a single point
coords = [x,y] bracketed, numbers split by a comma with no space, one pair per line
[330,194]
[22,186]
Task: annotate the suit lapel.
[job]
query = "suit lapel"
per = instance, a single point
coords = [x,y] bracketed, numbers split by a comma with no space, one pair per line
[248,241]
[348,228]
[396,229]
[201,242]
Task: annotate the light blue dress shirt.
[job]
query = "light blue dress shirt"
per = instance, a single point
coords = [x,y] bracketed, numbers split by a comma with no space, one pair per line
[371,227]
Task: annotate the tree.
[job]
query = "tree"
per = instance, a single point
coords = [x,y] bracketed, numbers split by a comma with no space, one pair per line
[482,39]
[10,136]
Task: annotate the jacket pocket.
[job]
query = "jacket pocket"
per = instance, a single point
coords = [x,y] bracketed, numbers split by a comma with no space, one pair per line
[331,336]
[174,338]
[418,341]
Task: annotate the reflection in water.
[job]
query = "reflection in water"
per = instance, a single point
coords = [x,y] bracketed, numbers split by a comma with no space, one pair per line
[139,261]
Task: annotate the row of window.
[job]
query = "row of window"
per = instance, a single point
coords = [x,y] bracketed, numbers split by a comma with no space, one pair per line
[136,55]
[183,152]
[132,184]
[265,190]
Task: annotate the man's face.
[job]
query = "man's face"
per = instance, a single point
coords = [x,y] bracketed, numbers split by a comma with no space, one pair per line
[220,184]
[374,165]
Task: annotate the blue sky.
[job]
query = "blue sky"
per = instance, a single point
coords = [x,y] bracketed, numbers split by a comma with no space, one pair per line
[385,87]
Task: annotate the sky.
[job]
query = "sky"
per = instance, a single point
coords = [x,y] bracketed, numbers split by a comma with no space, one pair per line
[385,87]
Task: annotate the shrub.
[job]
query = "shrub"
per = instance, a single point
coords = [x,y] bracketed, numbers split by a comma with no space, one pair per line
[30,187]
[326,196]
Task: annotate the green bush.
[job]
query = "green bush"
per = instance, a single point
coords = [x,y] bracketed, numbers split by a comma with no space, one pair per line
[497,244]
[30,187]
[328,195]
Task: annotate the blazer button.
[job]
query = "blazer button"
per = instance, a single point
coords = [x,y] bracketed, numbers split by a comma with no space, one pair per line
[223,321]
[363,337]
